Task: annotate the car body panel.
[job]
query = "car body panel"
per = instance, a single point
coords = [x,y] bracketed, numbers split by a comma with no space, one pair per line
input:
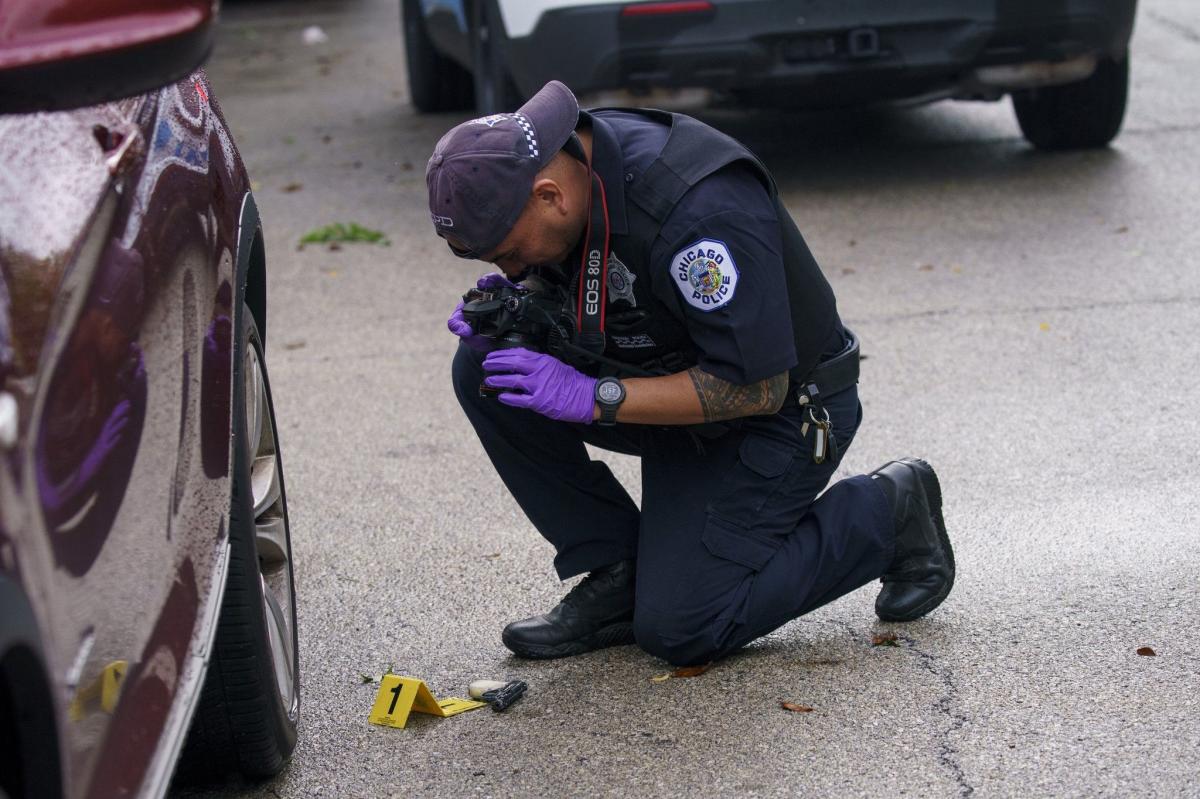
[118,291]
[811,52]
[68,53]
[35,32]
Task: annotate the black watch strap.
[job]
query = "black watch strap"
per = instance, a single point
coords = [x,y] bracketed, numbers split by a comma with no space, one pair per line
[610,393]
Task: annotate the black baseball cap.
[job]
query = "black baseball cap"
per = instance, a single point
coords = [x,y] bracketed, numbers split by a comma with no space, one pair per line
[481,172]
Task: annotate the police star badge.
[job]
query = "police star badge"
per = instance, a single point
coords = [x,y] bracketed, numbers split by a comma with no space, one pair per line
[620,281]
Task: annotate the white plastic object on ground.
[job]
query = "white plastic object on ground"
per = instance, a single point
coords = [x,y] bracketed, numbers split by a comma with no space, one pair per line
[314,34]
[478,688]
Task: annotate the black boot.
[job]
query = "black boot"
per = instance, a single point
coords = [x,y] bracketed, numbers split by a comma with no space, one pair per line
[922,570]
[594,614]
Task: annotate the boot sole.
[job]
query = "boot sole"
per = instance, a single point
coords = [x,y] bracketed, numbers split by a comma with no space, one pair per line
[933,493]
[617,634]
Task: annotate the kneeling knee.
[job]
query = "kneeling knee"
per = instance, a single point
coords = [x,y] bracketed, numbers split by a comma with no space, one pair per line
[677,643]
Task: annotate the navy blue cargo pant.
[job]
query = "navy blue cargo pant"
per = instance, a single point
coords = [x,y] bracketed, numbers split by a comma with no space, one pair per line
[729,541]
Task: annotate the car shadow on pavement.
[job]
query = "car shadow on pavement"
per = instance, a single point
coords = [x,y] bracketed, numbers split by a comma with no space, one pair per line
[895,146]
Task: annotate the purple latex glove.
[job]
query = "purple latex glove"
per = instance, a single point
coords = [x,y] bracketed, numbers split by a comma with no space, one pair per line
[541,383]
[461,328]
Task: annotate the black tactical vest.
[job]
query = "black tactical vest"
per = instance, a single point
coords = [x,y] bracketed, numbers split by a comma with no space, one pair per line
[692,152]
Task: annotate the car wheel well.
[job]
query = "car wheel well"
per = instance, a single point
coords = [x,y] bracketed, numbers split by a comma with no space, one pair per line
[29,752]
[256,283]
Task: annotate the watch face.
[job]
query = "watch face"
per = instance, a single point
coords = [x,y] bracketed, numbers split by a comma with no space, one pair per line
[610,391]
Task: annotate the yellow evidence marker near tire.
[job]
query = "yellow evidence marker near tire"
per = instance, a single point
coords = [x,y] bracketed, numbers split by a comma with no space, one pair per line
[398,696]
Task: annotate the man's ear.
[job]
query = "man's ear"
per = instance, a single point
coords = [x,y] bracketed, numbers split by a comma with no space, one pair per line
[548,192]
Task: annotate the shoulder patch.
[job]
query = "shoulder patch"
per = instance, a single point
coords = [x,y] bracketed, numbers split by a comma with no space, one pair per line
[705,274]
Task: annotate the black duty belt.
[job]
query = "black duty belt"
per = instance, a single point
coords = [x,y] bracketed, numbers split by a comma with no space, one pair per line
[828,378]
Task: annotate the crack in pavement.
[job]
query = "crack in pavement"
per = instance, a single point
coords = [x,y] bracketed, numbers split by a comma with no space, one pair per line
[947,755]
[1176,27]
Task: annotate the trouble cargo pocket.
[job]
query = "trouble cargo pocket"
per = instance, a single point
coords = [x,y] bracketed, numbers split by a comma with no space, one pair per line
[767,457]
[726,540]
[755,477]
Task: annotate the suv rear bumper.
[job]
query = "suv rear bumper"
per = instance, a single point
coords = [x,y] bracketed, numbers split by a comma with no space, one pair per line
[851,51]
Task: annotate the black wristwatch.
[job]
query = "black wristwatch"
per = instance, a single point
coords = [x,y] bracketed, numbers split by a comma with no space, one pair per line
[610,393]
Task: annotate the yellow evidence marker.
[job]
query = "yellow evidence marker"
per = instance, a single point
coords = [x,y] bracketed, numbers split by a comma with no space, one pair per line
[106,688]
[398,696]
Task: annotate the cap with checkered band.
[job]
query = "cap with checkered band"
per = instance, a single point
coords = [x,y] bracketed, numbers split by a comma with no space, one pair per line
[482,171]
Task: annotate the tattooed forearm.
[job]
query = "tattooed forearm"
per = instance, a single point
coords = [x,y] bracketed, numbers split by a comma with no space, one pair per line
[722,400]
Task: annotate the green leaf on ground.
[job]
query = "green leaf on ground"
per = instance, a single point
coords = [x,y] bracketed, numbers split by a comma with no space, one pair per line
[352,233]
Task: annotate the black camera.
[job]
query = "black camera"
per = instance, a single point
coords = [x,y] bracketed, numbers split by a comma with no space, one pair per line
[519,316]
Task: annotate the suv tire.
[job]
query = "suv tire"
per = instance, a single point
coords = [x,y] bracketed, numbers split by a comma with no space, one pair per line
[1077,115]
[495,91]
[435,83]
[249,705]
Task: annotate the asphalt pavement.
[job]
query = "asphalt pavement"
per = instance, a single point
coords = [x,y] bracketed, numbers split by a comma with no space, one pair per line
[1031,326]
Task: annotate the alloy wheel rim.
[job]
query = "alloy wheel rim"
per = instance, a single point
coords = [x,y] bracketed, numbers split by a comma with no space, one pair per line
[271,532]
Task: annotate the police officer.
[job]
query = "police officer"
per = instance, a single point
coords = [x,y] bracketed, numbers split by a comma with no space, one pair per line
[716,355]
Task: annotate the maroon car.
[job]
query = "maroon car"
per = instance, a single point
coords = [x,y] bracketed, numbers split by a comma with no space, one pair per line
[147,604]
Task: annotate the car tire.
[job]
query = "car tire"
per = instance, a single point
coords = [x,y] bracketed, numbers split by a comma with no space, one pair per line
[1077,115]
[435,83]
[495,91]
[247,716]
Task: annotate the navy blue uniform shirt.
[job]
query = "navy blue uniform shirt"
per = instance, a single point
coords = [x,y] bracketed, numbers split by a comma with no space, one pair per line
[709,280]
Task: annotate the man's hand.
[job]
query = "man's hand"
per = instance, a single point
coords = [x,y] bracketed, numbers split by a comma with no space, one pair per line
[462,328]
[541,383]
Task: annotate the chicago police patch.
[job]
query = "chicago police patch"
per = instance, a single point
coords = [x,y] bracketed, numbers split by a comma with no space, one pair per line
[705,274]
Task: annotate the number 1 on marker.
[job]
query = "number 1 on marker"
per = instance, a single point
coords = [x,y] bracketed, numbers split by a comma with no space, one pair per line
[395,697]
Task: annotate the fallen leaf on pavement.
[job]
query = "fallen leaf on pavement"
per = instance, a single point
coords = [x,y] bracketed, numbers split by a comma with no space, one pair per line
[291,187]
[1147,651]
[884,639]
[682,671]
[691,671]
[295,345]
[792,706]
